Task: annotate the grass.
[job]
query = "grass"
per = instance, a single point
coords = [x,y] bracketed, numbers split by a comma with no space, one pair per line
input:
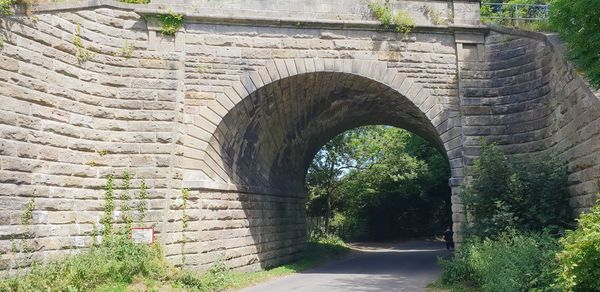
[121,265]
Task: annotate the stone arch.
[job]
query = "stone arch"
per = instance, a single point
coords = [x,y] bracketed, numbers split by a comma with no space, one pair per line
[272,122]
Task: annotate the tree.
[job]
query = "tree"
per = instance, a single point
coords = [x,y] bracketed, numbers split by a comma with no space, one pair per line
[394,180]
[578,23]
[521,194]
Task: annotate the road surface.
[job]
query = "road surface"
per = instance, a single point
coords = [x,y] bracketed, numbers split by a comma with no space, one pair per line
[407,266]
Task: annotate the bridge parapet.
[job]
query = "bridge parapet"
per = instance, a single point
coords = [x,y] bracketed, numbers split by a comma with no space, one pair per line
[422,12]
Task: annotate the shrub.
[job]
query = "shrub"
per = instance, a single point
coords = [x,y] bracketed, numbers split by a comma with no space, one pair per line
[171,23]
[116,260]
[580,257]
[217,278]
[577,23]
[457,269]
[512,262]
[526,195]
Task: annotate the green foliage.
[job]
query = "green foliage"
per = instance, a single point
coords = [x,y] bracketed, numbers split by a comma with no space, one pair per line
[2,40]
[185,193]
[109,206]
[126,51]
[382,12]
[125,199]
[28,213]
[513,15]
[142,205]
[527,195]
[580,257]
[511,262]
[118,263]
[401,20]
[394,180]
[202,68]
[83,54]
[577,23]
[117,260]
[404,24]
[171,23]
[26,221]
[94,235]
[6,6]
[217,278]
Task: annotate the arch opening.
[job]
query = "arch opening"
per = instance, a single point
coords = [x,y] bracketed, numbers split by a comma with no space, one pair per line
[378,183]
[270,137]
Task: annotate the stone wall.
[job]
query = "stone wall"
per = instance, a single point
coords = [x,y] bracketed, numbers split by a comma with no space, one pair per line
[524,95]
[233,108]
[65,125]
[248,231]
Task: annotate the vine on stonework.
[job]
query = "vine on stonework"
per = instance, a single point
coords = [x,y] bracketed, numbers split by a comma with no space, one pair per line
[125,198]
[109,206]
[185,193]
[142,205]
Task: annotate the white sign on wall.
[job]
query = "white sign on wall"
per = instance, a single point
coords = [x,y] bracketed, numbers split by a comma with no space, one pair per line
[142,235]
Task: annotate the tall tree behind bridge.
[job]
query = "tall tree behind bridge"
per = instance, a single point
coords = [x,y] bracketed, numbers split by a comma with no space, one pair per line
[388,177]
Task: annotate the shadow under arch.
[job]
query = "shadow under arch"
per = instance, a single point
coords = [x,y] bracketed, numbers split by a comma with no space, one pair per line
[267,140]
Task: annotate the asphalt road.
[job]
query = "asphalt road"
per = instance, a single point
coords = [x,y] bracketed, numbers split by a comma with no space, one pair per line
[407,266]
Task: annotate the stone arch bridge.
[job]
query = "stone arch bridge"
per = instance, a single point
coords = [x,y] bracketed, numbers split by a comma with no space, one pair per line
[236,103]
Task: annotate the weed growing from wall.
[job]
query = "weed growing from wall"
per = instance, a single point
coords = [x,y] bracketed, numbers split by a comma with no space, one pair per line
[202,68]
[2,40]
[126,51]
[404,24]
[81,53]
[26,219]
[401,20]
[26,250]
[170,23]
[382,12]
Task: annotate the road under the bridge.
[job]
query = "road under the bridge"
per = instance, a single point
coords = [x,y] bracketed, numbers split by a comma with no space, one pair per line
[406,266]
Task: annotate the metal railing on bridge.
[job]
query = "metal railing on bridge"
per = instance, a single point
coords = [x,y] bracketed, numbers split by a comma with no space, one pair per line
[518,15]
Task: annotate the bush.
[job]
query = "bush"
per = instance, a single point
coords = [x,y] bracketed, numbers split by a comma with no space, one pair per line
[513,262]
[526,195]
[577,23]
[580,258]
[117,260]
[217,278]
